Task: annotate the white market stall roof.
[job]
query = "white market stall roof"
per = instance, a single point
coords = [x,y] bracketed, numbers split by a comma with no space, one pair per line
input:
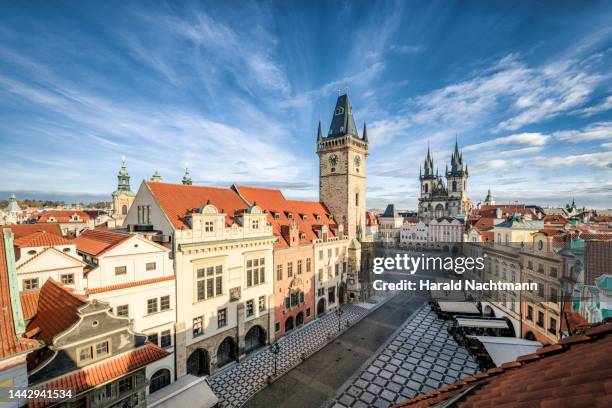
[505,349]
[483,322]
[187,391]
[458,307]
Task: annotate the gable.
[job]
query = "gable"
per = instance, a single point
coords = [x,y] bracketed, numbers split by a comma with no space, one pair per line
[134,246]
[49,259]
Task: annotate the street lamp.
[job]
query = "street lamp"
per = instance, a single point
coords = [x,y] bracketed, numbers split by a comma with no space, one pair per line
[339,313]
[275,349]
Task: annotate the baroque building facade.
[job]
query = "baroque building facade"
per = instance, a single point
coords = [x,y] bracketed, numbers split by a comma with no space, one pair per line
[444,199]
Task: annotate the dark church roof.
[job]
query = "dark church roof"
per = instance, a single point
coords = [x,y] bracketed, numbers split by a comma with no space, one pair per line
[343,122]
[390,212]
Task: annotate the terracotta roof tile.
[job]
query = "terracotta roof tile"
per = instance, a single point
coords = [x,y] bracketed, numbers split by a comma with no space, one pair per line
[41,239]
[29,303]
[129,285]
[21,230]
[96,242]
[100,373]
[177,200]
[57,310]
[63,216]
[10,344]
[571,373]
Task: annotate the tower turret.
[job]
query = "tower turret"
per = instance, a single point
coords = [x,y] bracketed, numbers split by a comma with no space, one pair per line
[187,177]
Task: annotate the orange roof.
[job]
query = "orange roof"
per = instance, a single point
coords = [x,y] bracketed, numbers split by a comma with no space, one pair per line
[601,218]
[10,344]
[57,311]
[41,239]
[63,216]
[575,372]
[484,223]
[29,303]
[178,200]
[21,230]
[129,284]
[279,209]
[105,371]
[371,219]
[555,219]
[411,220]
[96,242]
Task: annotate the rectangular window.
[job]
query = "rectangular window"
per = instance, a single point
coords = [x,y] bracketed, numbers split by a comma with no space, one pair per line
[530,265]
[276,326]
[256,271]
[337,269]
[320,274]
[164,303]
[209,226]
[255,224]
[308,312]
[540,319]
[198,326]
[250,310]
[553,294]
[541,290]
[320,254]
[279,272]
[262,303]
[125,384]
[529,313]
[299,266]
[150,266]
[301,297]
[295,299]
[209,282]
[67,279]
[222,318]
[344,267]
[308,264]
[102,349]
[144,214]
[123,310]
[166,338]
[356,199]
[85,354]
[289,269]
[152,306]
[331,295]
[30,284]
[218,285]
[153,339]
[120,270]
[552,326]
[553,271]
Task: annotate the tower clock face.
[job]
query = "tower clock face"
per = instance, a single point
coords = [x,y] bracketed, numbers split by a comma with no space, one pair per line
[333,160]
[357,160]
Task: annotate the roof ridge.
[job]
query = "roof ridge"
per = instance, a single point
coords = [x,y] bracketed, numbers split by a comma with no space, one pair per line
[592,332]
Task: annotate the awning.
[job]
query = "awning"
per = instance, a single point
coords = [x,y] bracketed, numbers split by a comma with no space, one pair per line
[506,349]
[187,391]
[458,307]
[486,323]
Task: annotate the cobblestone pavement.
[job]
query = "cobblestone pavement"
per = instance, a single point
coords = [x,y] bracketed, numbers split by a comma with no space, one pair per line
[420,358]
[236,384]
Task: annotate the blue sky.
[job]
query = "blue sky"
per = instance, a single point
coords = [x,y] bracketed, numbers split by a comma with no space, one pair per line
[235,89]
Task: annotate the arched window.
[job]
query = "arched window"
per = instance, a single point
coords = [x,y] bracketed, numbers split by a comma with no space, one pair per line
[159,380]
[124,209]
[426,188]
[454,186]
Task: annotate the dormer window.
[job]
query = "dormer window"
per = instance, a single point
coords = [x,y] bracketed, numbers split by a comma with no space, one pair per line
[31,252]
[304,217]
[255,224]
[209,226]
[290,216]
[276,216]
[318,217]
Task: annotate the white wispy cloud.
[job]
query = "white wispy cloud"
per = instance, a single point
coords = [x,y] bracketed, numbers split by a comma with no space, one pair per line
[532,139]
[594,131]
[406,49]
[603,106]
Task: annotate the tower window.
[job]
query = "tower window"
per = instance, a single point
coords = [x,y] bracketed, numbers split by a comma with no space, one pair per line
[454,186]
[357,199]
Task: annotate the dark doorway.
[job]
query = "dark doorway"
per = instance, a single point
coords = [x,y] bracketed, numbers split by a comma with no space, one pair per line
[159,380]
[289,324]
[299,319]
[530,336]
[254,339]
[321,307]
[341,291]
[198,363]
[226,353]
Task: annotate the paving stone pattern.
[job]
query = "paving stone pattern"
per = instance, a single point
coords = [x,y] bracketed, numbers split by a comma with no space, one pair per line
[420,358]
[239,382]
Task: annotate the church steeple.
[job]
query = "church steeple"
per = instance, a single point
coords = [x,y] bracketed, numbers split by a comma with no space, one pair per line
[187,177]
[319,132]
[343,122]
[123,181]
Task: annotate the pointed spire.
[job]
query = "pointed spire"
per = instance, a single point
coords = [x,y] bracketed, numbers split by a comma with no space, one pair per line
[343,122]
[365,132]
[187,177]
[123,181]
[319,132]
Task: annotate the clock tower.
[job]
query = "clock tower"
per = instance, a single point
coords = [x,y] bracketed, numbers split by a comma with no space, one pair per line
[342,169]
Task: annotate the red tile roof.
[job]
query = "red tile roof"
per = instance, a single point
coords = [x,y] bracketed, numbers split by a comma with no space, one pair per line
[96,242]
[41,239]
[105,371]
[63,216]
[129,285]
[575,372]
[279,209]
[555,219]
[178,200]
[57,311]
[21,230]
[29,303]
[10,344]
[371,219]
